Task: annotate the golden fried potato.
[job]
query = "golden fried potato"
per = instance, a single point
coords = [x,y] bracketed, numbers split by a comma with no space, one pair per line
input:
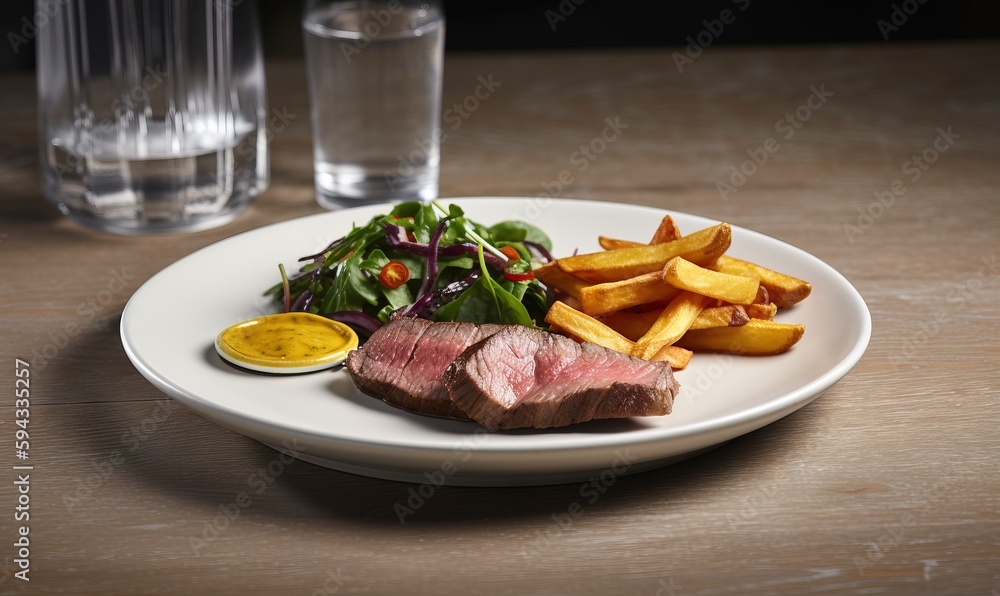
[784,290]
[587,328]
[732,315]
[685,275]
[672,323]
[677,357]
[634,325]
[667,231]
[761,311]
[619,295]
[763,296]
[613,243]
[552,276]
[676,295]
[702,248]
[756,338]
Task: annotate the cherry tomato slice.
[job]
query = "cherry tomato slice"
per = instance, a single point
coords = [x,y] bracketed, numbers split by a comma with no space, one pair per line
[511,253]
[526,276]
[394,274]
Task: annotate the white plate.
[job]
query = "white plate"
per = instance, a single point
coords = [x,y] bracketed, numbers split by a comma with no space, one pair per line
[169,328]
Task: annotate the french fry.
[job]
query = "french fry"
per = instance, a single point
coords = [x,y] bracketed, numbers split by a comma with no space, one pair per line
[732,315]
[756,338]
[685,275]
[554,277]
[674,296]
[587,328]
[765,312]
[613,243]
[618,295]
[675,319]
[763,296]
[677,357]
[634,325]
[667,231]
[702,248]
[784,290]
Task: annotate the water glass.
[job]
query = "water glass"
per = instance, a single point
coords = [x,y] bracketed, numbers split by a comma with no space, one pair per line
[375,71]
[152,112]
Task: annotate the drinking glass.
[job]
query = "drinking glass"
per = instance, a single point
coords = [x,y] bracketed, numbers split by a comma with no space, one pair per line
[152,112]
[375,71]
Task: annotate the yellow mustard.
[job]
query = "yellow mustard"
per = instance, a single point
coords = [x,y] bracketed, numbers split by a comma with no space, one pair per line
[286,343]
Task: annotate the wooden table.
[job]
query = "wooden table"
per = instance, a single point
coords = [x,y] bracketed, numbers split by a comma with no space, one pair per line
[888,483]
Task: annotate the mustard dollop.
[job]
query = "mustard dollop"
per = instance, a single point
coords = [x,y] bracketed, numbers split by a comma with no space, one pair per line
[286,342]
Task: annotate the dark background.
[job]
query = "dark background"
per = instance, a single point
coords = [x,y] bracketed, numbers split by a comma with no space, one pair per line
[528,24]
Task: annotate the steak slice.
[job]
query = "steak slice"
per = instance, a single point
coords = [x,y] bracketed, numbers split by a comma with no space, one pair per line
[403,363]
[521,377]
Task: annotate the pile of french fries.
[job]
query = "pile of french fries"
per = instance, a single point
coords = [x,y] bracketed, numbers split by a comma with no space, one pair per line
[677,294]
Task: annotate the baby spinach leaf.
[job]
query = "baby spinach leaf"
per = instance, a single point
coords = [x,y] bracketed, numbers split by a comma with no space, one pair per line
[349,290]
[518,231]
[485,301]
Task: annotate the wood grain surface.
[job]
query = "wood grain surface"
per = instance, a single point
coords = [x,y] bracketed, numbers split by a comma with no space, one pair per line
[888,483]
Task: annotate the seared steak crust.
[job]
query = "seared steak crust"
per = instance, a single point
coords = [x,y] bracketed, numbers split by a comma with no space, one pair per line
[527,378]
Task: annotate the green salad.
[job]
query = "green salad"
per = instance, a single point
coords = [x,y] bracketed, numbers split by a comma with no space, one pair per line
[422,259]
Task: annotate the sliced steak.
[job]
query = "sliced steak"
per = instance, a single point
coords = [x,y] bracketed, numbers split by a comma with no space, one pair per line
[521,377]
[403,363]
